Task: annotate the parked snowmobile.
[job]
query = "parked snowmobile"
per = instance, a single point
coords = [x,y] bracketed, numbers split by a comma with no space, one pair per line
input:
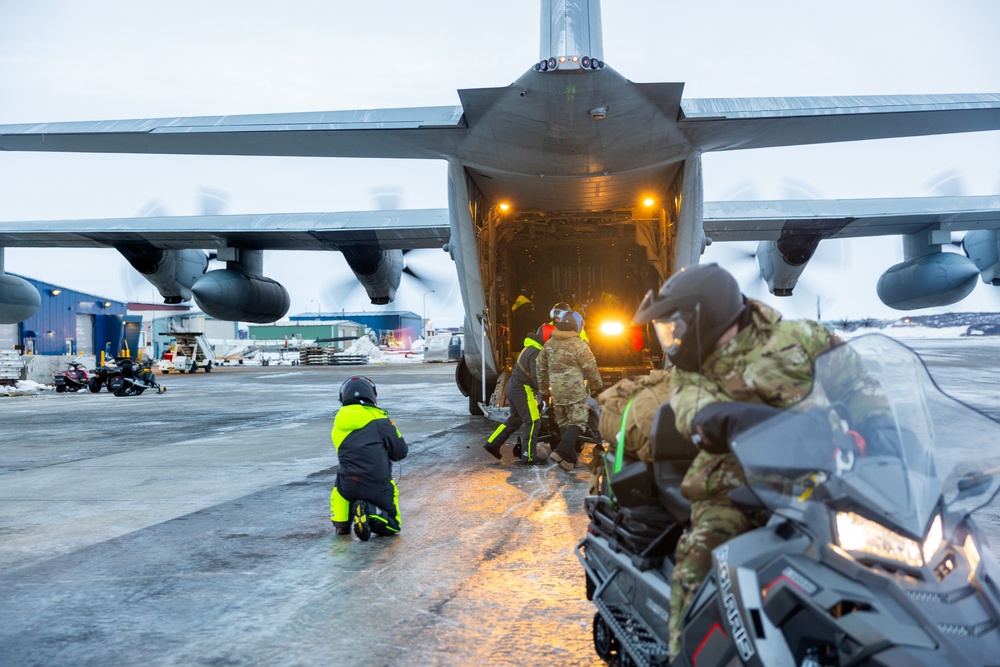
[109,376]
[137,378]
[871,555]
[74,379]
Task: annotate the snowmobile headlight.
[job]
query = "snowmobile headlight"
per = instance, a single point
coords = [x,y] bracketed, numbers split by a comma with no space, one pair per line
[933,540]
[612,328]
[857,534]
[972,555]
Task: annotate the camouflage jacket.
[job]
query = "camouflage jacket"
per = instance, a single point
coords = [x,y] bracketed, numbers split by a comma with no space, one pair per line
[563,365]
[768,361]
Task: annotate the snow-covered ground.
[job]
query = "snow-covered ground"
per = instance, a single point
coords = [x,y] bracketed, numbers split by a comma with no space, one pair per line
[903,331]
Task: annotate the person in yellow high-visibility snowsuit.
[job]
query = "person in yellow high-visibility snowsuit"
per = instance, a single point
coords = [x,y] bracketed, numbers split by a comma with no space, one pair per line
[367,443]
[522,394]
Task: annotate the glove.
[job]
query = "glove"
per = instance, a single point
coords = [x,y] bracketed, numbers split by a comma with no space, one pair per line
[880,435]
[717,424]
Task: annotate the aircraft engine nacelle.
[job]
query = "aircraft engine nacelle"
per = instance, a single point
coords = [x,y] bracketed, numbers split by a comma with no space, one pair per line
[983,248]
[781,262]
[171,272]
[379,271]
[928,281]
[19,299]
[233,295]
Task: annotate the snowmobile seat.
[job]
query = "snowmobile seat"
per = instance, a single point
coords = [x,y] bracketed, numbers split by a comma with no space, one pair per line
[672,456]
[633,485]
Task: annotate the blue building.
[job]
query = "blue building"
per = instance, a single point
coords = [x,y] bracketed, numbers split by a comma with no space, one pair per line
[394,328]
[71,322]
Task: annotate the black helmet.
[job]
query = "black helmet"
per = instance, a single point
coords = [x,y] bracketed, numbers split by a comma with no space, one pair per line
[562,317]
[358,390]
[691,311]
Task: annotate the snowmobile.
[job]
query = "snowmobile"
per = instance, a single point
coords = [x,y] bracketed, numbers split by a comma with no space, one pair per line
[74,379]
[109,376]
[137,378]
[870,554]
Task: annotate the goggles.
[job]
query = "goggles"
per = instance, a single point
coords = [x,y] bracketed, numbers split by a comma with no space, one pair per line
[558,314]
[671,332]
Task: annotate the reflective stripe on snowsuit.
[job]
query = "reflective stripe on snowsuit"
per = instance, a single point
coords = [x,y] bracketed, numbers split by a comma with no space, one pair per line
[386,518]
[521,391]
[523,410]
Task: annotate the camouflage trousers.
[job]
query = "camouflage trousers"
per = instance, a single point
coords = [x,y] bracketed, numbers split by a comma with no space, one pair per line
[712,523]
[572,414]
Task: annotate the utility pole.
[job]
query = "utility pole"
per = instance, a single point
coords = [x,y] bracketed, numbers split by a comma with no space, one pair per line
[423,320]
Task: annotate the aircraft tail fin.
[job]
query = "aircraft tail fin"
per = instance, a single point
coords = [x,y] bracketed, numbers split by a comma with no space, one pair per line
[571,35]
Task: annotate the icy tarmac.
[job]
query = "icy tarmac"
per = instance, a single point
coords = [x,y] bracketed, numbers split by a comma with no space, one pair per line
[192,527]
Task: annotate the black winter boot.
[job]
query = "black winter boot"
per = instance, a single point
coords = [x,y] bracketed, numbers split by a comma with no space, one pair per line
[565,452]
[496,441]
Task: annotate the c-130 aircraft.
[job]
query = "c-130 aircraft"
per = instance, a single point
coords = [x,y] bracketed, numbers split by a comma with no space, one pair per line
[572,168]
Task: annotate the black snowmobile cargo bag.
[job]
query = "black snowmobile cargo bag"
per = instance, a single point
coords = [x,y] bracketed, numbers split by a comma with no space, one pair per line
[642,532]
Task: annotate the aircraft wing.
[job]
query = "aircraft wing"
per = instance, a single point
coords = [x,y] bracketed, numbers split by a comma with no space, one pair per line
[845,218]
[428,132]
[391,229]
[720,124]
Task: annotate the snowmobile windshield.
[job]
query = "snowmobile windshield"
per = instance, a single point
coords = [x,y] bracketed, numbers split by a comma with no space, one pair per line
[875,440]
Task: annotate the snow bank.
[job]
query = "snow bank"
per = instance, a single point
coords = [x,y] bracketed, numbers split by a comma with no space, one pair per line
[365,346]
[25,387]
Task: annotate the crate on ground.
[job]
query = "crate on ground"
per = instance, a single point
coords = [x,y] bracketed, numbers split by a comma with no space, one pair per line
[11,365]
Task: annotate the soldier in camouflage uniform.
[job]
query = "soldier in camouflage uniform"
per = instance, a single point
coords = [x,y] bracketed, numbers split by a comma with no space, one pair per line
[724,347]
[563,365]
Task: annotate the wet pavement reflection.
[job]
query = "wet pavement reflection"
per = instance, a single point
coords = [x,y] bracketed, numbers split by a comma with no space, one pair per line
[200,532]
[192,528]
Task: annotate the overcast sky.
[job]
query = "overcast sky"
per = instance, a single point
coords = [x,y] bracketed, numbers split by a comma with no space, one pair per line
[100,59]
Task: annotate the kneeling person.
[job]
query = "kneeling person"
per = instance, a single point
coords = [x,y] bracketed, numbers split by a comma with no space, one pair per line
[367,443]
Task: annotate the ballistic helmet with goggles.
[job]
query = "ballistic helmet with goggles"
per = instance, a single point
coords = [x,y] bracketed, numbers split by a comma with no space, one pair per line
[691,312]
[562,317]
[358,390]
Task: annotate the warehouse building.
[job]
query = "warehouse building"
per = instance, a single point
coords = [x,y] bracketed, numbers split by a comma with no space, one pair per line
[69,322]
[394,328]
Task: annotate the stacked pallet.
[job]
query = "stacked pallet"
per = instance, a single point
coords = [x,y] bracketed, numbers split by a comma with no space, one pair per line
[315,355]
[342,359]
[318,355]
[10,367]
